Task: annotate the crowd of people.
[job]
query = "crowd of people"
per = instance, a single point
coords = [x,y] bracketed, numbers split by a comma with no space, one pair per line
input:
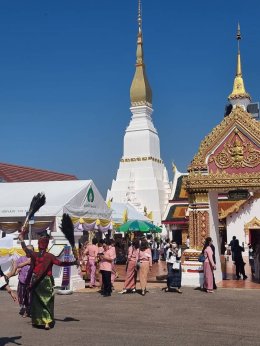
[35,292]
[98,259]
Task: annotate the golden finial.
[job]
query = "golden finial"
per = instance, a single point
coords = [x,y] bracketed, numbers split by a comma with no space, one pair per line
[140,92]
[239,91]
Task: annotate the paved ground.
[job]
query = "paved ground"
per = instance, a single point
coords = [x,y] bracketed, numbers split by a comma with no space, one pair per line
[227,317]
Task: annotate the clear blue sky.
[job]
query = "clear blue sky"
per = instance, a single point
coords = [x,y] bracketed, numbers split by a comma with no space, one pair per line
[66,68]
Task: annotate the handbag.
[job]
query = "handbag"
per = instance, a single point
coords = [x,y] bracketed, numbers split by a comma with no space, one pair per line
[201,258]
[176,266]
[138,265]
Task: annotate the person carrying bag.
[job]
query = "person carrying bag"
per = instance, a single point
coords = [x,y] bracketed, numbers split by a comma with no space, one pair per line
[173,257]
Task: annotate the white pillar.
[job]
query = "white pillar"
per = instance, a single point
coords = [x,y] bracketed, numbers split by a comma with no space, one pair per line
[214,231]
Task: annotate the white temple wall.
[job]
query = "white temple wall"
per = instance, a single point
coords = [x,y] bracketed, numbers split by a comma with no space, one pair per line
[236,221]
[146,181]
[141,143]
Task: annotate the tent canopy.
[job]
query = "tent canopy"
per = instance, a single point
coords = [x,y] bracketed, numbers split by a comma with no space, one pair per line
[139,226]
[119,209]
[79,198]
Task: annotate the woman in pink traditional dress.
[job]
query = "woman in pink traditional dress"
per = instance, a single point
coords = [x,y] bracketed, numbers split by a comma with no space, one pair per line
[208,266]
[92,253]
[145,257]
[131,270]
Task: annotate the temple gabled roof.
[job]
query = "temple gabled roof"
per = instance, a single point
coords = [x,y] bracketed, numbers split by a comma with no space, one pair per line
[10,173]
[177,207]
[238,120]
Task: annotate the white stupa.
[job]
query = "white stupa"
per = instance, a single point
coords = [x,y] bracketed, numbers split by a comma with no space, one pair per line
[142,178]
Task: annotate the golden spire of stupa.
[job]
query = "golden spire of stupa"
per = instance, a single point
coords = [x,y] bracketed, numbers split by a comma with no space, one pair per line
[140,92]
[239,91]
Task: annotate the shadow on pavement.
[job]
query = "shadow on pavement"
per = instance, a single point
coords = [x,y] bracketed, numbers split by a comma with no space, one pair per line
[66,319]
[6,340]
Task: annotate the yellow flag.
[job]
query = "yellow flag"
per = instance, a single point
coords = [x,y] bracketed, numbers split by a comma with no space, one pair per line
[109,203]
[150,215]
[125,215]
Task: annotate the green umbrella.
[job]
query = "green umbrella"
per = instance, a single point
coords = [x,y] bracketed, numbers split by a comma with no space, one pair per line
[139,226]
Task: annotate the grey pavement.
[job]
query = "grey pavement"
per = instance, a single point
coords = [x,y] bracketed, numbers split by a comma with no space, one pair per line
[227,317]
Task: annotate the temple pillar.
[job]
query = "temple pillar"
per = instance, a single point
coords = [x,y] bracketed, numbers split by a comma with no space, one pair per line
[198,219]
[214,231]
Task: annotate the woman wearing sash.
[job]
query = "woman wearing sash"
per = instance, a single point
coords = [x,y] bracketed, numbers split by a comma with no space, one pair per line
[173,258]
[42,284]
[145,257]
[208,266]
[131,270]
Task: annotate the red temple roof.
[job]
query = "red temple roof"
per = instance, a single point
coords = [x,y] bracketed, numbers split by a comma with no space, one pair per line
[12,173]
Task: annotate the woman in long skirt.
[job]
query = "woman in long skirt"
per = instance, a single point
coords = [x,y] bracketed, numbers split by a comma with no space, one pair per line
[173,258]
[208,266]
[155,250]
[131,270]
[145,257]
[42,284]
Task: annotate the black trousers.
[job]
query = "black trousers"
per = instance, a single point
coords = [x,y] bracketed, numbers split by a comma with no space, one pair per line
[106,278]
[240,269]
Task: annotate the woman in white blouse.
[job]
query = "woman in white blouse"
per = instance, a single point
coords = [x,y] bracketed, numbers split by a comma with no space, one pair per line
[173,258]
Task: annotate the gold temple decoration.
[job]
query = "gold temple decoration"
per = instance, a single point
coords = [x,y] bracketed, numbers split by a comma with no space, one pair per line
[238,118]
[237,152]
[232,209]
[253,224]
[199,197]
[239,91]
[222,181]
[144,158]
[140,92]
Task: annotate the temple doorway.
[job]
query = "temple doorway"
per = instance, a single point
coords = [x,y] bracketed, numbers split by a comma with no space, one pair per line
[254,237]
[177,236]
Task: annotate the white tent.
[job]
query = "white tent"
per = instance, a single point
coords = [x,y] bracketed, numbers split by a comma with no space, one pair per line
[79,198]
[120,209]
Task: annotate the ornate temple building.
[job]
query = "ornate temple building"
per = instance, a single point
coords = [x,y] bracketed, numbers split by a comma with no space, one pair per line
[142,178]
[220,195]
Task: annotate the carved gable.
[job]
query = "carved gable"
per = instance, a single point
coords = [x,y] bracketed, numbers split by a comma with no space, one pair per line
[233,146]
[237,154]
